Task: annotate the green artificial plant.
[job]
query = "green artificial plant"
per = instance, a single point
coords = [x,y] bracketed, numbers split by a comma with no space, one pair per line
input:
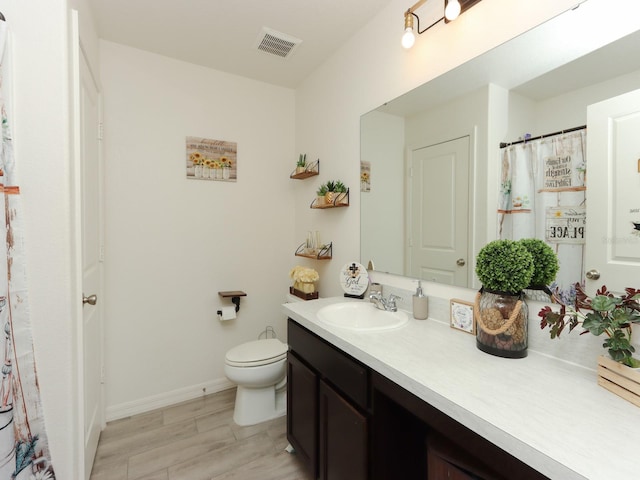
[302,160]
[545,262]
[504,266]
[604,313]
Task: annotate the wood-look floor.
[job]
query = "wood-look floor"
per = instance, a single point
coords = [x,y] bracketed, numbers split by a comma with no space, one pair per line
[195,440]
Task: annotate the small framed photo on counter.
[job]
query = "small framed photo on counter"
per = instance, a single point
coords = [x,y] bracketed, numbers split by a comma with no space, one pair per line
[462,316]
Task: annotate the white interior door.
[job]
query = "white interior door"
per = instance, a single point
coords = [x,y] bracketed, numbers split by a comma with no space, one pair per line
[612,255]
[91,228]
[439,212]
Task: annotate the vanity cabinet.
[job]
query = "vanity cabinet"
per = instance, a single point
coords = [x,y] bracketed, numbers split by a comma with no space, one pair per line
[327,402]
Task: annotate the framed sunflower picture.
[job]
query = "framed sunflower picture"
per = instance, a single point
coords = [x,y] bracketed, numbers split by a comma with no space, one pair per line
[462,316]
[211,160]
[365,176]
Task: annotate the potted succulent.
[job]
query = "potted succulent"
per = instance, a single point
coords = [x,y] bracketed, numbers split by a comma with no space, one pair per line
[321,194]
[301,164]
[505,268]
[341,191]
[545,267]
[603,314]
[336,192]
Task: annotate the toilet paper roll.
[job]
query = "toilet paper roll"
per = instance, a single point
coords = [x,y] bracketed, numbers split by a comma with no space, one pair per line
[228,313]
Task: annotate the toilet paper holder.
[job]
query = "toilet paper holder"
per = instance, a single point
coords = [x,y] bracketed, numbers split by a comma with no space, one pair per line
[235,298]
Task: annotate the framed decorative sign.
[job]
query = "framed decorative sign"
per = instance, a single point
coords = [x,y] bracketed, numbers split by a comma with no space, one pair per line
[462,316]
[211,159]
[365,176]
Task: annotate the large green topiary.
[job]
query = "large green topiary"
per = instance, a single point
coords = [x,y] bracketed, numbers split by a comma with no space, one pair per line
[504,266]
[545,262]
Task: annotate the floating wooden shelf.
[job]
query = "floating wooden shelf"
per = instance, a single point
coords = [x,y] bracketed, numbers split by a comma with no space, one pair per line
[312,170]
[324,253]
[340,200]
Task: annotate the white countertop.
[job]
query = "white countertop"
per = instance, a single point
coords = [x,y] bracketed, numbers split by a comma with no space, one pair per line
[549,413]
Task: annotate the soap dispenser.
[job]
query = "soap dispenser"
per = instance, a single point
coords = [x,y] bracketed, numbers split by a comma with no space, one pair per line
[420,304]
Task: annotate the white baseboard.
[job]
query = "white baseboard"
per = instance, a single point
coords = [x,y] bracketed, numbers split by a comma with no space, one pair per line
[123,410]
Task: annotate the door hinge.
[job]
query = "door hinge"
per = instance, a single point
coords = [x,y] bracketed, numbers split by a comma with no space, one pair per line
[100,131]
[101,253]
[102,375]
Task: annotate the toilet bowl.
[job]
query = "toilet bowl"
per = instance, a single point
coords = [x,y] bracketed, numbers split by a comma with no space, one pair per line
[259,370]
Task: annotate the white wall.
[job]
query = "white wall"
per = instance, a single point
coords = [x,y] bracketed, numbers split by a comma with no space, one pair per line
[382,145]
[173,243]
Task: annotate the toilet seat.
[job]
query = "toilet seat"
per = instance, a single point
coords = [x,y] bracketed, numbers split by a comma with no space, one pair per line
[256,353]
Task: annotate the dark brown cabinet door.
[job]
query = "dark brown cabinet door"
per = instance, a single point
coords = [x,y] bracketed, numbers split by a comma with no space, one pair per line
[302,408]
[447,461]
[343,438]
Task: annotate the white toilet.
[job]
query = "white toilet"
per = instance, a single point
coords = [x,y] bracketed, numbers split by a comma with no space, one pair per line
[259,369]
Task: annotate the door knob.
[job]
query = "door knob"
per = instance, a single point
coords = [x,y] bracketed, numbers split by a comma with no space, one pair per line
[91,299]
[593,274]
[460,262]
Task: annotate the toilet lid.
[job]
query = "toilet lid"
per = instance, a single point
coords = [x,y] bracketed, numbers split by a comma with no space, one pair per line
[258,352]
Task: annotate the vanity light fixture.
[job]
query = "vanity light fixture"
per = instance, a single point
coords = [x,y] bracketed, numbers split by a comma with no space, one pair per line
[452,10]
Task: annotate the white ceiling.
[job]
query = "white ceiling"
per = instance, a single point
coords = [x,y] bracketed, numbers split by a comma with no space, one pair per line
[221,34]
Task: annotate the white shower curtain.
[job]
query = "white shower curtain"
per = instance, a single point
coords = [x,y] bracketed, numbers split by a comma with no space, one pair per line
[24,450]
[542,195]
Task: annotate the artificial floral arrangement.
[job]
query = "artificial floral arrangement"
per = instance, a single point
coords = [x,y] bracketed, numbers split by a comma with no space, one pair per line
[304,278]
[604,313]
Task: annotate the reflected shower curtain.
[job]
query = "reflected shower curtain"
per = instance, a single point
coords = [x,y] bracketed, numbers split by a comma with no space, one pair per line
[542,195]
[24,450]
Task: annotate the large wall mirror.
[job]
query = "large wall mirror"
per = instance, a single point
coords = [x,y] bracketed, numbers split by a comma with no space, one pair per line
[430,222]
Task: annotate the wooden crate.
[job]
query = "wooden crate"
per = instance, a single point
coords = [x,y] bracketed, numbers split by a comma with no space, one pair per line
[619,379]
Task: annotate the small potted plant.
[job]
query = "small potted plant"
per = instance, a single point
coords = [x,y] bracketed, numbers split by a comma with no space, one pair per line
[603,314]
[505,268]
[545,267]
[321,195]
[341,192]
[336,192]
[301,164]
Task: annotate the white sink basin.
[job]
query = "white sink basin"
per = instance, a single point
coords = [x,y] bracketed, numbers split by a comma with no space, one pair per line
[362,316]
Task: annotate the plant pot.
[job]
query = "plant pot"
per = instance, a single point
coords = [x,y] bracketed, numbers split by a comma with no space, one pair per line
[502,324]
[329,197]
[620,379]
[320,200]
[539,294]
[341,198]
[300,169]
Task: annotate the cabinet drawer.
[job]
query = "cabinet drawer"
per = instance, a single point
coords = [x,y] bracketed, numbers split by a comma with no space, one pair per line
[344,372]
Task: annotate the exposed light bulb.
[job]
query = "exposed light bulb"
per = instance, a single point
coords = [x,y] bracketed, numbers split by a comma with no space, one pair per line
[453,10]
[408,38]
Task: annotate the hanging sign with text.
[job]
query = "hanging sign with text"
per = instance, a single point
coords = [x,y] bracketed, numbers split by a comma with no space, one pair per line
[565,225]
[557,172]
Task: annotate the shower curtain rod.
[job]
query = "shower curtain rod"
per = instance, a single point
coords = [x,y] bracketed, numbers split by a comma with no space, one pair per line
[504,145]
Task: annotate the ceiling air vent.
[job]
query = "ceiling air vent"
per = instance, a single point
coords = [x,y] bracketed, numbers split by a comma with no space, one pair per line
[276,43]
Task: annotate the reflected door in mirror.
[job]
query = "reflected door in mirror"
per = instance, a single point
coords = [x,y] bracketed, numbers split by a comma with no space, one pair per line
[439,212]
[613,208]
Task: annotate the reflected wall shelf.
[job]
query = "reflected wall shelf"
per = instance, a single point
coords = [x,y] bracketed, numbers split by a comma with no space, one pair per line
[325,253]
[340,200]
[312,170]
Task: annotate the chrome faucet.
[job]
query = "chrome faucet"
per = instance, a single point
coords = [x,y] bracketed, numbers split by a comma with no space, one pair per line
[379,301]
